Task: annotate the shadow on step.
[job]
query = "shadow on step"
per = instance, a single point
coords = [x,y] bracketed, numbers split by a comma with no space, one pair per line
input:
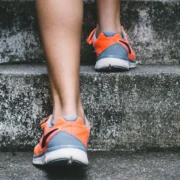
[65,172]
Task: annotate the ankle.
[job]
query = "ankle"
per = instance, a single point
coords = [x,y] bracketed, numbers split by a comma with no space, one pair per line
[68,111]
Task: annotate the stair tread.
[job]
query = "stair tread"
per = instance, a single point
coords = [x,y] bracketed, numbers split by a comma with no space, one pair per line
[103,166]
[41,69]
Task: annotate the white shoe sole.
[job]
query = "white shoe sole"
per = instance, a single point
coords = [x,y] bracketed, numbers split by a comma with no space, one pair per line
[114,63]
[69,155]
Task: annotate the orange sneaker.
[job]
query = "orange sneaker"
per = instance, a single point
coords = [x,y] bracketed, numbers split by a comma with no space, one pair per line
[63,143]
[113,51]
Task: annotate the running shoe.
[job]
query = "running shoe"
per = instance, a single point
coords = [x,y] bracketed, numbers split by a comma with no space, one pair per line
[113,51]
[64,142]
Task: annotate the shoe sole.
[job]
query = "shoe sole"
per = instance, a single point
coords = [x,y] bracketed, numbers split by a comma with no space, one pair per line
[65,156]
[114,64]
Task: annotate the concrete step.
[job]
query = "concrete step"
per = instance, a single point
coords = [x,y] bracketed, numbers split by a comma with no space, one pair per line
[136,110]
[153,28]
[103,166]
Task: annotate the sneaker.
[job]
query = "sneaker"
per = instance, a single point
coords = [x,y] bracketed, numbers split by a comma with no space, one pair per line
[63,143]
[113,51]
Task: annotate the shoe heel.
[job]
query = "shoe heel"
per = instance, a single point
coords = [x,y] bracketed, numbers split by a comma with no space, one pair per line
[112,63]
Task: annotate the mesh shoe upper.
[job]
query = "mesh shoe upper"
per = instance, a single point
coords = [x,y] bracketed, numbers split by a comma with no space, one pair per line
[63,134]
[112,45]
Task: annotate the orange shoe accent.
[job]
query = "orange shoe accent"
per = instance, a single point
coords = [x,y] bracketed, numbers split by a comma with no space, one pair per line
[102,43]
[90,38]
[76,128]
[37,150]
[43,123]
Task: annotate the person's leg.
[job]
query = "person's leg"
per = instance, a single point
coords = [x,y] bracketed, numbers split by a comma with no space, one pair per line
[108,16]
[60,25]
[66,133]
[110,40]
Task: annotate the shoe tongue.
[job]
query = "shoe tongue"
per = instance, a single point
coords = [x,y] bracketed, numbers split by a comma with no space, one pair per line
[67,118]
[70,118]
[109,34]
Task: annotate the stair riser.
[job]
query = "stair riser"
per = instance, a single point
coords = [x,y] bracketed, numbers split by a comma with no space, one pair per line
[127,112]
[153,27]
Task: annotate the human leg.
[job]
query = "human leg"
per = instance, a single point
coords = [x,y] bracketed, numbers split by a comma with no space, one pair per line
[108,16]
[60,25]
[66,132]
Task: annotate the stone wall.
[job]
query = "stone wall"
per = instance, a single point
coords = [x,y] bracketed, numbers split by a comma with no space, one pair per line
[153,28]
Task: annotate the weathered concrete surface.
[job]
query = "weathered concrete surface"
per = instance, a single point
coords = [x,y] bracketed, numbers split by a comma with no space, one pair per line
[153,28]
[136,110]
[178,30]
[103,166]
